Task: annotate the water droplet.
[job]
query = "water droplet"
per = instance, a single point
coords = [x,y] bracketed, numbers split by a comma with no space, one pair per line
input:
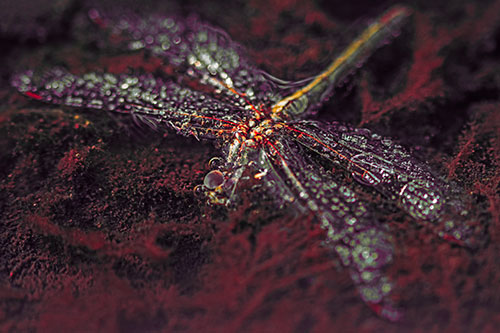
[213,179]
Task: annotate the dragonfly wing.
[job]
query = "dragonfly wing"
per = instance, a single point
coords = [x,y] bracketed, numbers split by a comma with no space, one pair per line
[150,99]
[380,163]
[195,49]
[363,245]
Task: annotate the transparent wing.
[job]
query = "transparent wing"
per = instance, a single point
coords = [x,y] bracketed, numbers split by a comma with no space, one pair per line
[196,49]
[152,100]
[306,99]
[363,245]
[386,166]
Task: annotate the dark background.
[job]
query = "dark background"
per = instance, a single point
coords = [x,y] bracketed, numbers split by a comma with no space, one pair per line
[100,229]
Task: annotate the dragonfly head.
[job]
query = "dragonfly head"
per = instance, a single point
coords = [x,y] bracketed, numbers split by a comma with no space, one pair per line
[214,183]
[213,188]
[218,185]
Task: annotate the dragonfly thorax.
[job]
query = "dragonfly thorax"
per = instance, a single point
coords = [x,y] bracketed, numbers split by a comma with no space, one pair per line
[254,133]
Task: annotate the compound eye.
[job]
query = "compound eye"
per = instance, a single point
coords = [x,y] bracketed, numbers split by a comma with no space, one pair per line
[213,179]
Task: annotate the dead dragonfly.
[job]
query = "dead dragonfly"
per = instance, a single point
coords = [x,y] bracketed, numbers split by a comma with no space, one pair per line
[261,124]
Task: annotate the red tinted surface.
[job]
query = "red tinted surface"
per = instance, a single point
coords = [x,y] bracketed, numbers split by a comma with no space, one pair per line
[101,231]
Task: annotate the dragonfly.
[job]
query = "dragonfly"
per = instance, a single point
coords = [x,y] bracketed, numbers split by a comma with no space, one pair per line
[263,127]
